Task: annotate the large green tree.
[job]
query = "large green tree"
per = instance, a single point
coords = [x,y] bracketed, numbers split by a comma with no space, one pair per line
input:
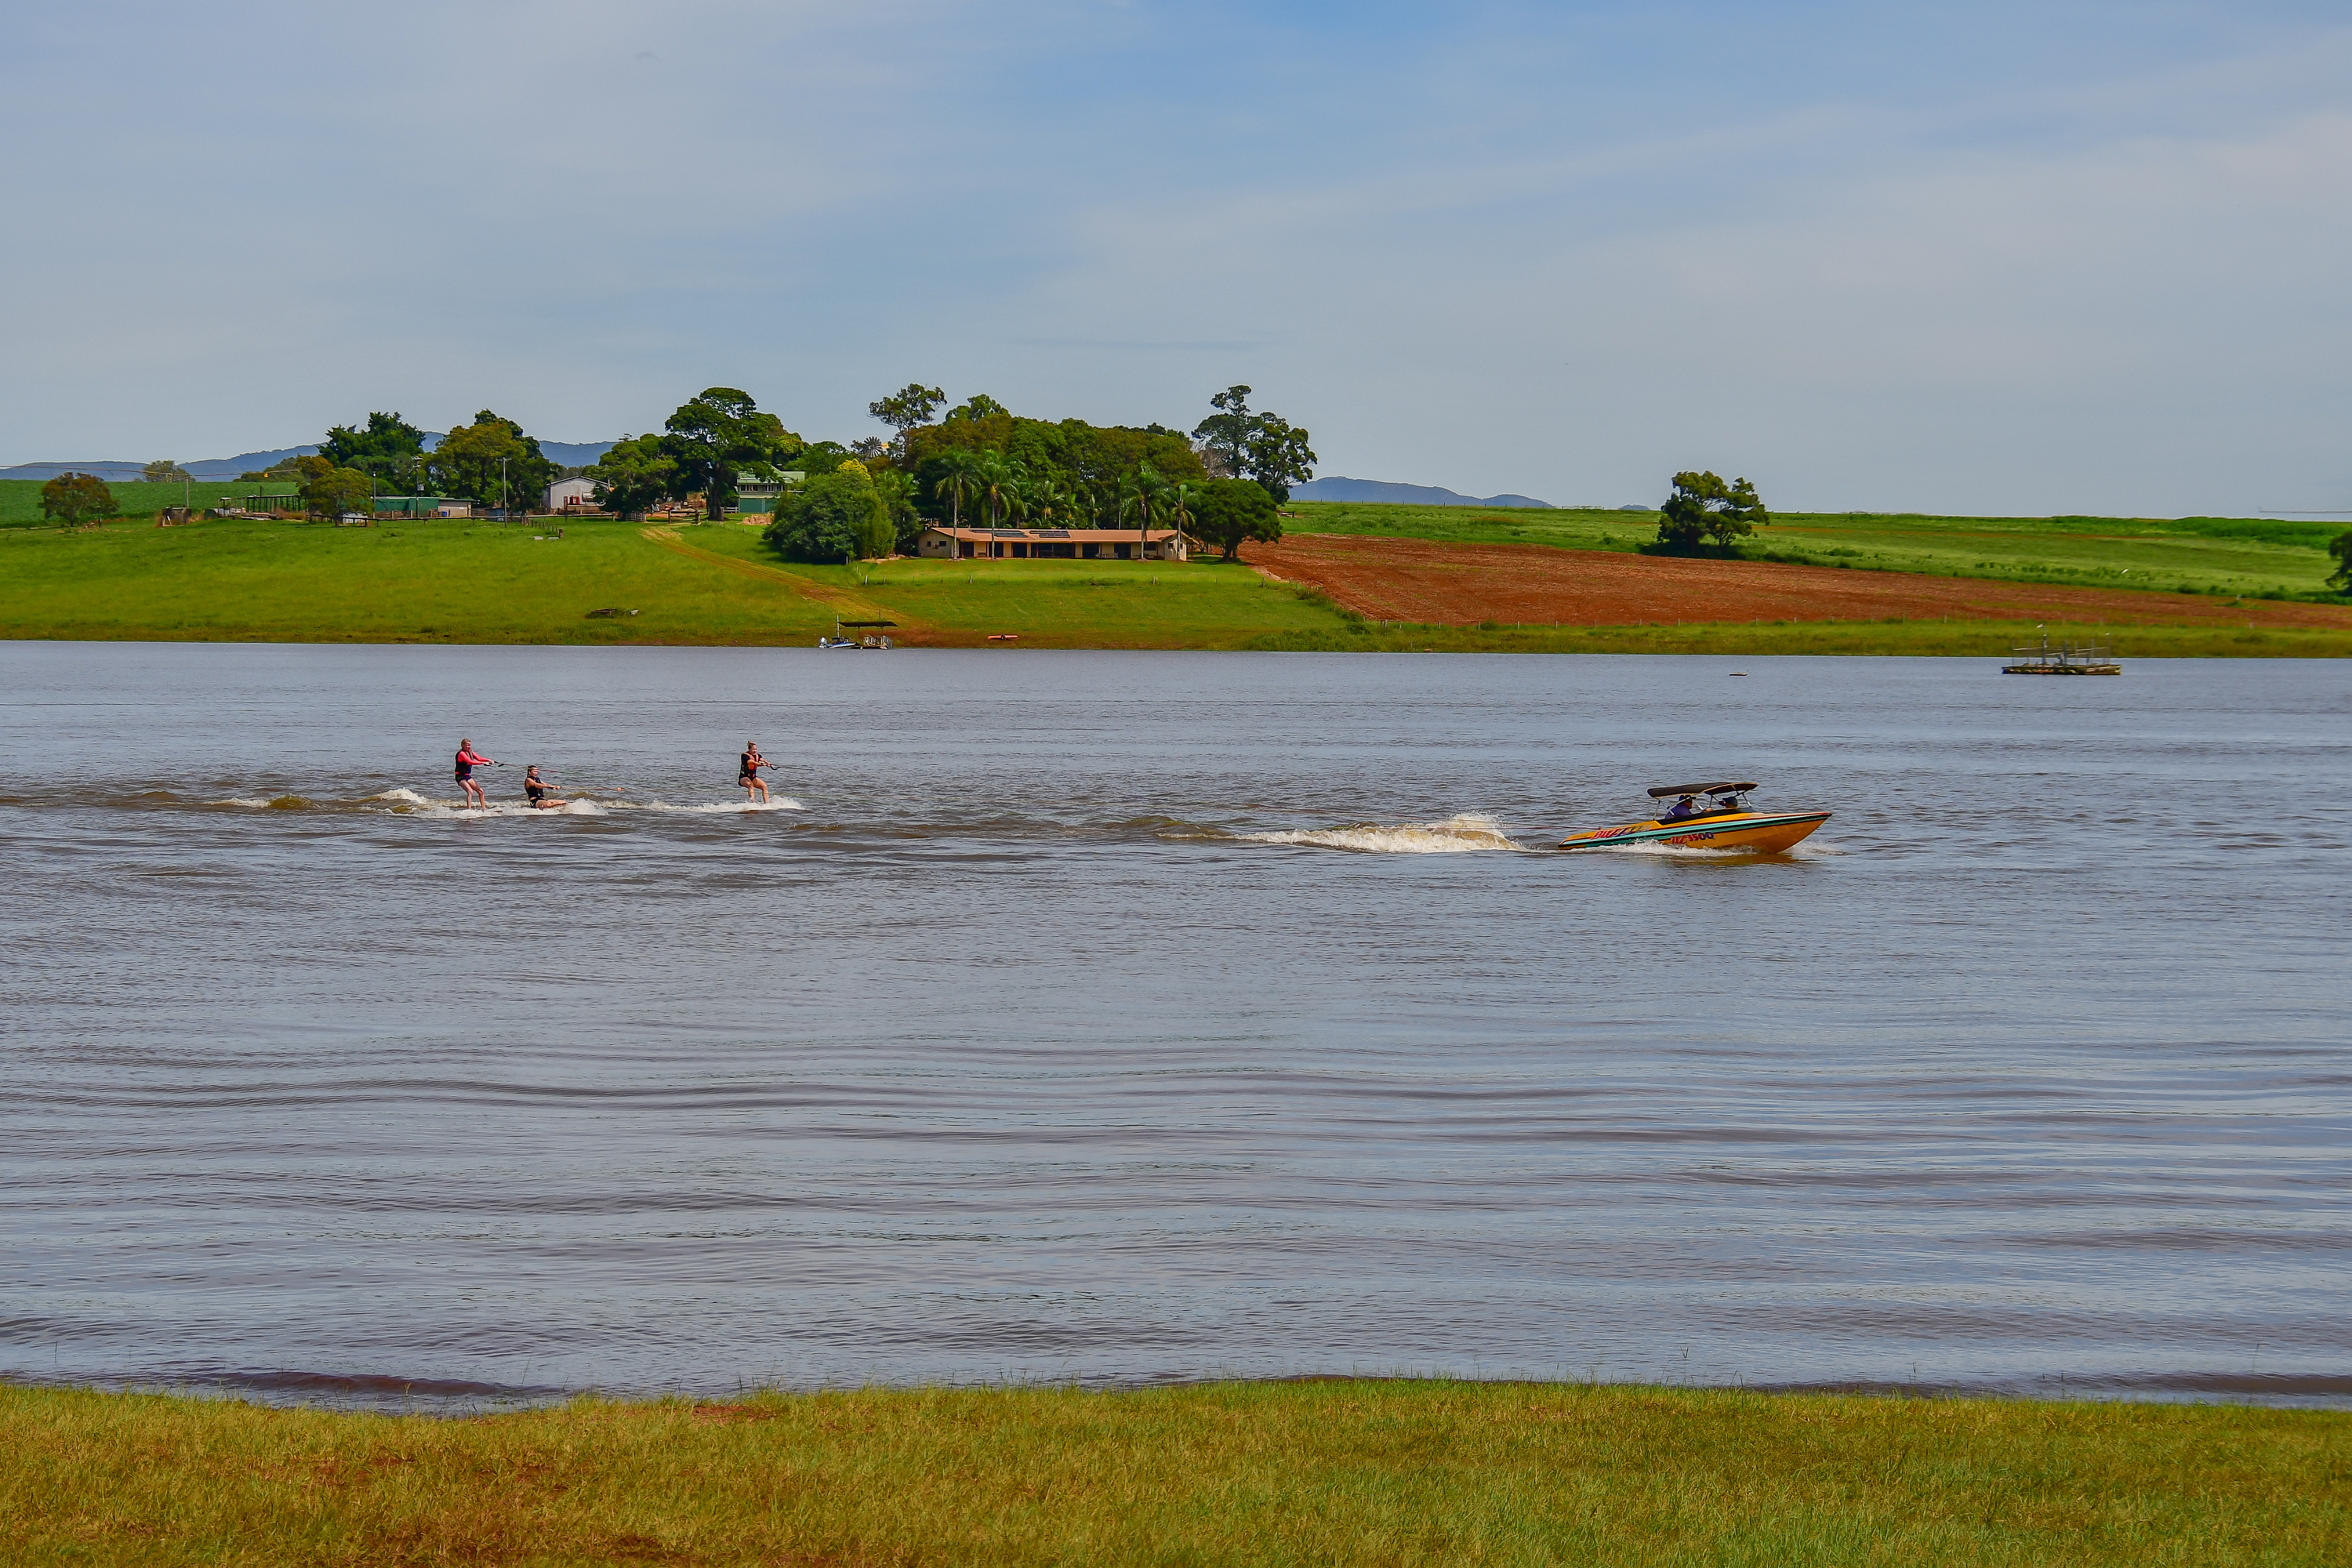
[979,406]
[491,461]
[1278,457]
[1226,433]
[1704,512]
[163,471]
[2340,547]
[719,437]
[897,489]
[76,500]
[1228,512]
[1262,447]
[906,408]
[635,475]
[331,492]
[389,447]
[833,518]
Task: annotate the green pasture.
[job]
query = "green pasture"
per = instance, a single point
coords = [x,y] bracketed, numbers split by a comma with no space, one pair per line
[20,500]
[1058,603]
[480,582]
[468,582]
[2275,556]
[1337,1472]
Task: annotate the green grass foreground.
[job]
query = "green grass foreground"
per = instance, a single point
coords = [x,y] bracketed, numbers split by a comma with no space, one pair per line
[1387,1472]
[2283,556]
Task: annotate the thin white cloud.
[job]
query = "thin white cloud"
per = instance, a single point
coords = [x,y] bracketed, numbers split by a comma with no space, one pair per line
[1562,252]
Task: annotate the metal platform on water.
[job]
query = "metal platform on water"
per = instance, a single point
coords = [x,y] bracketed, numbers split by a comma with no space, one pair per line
[2066,658]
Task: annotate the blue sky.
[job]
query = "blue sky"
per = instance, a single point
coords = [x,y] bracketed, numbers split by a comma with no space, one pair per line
[1986,258]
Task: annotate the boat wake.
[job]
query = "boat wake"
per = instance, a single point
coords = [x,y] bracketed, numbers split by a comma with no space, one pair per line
[1702,852]
[726,808]
[406,802]
[1465,833]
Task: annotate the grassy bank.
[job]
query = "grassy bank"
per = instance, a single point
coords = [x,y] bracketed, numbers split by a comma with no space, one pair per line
[1988,640]
[1059,604]
[425,582]
[480,582]
[1324,1472]
[2226,555]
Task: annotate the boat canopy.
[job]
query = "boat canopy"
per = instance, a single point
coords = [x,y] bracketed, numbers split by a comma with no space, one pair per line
[1664,790]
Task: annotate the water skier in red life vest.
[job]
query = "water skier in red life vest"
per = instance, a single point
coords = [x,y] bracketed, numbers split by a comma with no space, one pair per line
[468,761]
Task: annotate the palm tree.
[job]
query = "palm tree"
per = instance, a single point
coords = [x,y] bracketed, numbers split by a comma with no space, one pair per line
[1073,504]
[1139,490]
[958,480]
[1025,495]
[999,477]
[1179,509]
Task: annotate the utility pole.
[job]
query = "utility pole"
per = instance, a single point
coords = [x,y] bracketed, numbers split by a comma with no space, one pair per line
[502,487]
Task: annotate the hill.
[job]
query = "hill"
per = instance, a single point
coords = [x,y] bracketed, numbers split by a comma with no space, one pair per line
[569,454]
[1380,491]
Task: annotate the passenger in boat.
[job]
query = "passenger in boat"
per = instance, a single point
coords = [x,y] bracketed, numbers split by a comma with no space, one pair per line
[1686,806]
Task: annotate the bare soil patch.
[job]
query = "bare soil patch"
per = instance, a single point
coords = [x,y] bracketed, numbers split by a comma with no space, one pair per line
[1463,584]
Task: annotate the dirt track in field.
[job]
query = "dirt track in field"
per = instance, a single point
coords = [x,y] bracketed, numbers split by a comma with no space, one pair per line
[1463,584]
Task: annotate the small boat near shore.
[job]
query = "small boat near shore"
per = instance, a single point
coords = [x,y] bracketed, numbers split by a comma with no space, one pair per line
[1725,822]
[2066,658]
[873,635]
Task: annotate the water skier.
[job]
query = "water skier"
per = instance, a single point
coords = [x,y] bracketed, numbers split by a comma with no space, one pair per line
[535,789]
[468,761]
[747,774]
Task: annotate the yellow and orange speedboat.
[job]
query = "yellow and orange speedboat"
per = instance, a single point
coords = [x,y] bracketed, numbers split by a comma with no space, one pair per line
[1725,822]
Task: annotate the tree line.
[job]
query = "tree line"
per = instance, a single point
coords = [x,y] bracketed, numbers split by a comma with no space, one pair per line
[978,464]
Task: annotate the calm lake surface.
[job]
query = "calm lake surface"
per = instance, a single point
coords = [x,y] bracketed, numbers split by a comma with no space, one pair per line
[1121,1017]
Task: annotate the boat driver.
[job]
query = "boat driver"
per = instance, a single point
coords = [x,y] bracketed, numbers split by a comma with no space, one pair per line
[1686,806]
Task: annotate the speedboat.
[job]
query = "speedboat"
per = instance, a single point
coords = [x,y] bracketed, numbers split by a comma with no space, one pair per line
[1725,822]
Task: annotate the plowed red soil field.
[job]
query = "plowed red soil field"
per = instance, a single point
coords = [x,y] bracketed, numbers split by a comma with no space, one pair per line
[1462,584]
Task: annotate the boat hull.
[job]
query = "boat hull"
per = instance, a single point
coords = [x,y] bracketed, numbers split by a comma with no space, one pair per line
[1756,832]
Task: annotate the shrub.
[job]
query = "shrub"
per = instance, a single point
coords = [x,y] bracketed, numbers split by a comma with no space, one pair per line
[831,518]
[1704,511]
[1231,510]
[77,500]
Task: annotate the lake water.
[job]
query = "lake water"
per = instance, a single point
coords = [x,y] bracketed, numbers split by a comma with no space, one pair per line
[1121,1017]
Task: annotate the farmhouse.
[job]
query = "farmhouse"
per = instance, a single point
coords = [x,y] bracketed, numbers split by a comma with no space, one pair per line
[940,543]
[573,495]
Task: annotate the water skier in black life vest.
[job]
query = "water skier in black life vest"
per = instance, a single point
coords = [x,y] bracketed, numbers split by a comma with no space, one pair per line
[747,774]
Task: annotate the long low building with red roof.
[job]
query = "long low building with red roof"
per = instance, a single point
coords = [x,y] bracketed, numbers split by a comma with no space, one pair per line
[943,543]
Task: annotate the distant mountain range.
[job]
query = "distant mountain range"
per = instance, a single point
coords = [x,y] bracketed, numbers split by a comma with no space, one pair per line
[1339,489]
[569,454]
